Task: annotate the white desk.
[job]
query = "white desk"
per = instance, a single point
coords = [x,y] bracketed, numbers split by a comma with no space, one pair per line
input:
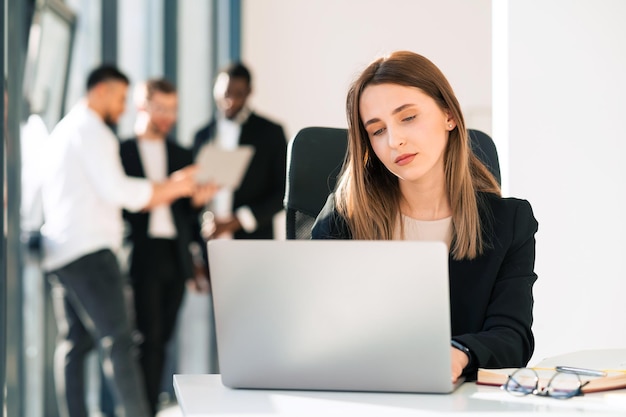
[204,395]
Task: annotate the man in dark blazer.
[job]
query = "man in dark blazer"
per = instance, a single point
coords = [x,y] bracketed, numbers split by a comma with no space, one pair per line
[248,212]
[161,261]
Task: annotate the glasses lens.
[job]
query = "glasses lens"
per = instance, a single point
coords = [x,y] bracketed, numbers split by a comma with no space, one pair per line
[564,385]
[522,382]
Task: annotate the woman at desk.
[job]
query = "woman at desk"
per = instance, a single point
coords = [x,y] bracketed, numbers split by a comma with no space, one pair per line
[410,174]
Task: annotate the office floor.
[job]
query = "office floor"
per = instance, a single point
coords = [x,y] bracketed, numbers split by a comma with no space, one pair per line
[171,411]
[197,351]
[196,344]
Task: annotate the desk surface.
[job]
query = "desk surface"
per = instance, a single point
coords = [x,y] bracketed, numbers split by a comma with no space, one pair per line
[204,395]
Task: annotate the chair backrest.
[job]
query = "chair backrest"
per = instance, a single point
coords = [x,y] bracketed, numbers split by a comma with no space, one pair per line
[484,148]
[314,159]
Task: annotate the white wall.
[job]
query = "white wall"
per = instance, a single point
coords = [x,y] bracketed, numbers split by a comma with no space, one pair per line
[567,83]
[304,54]
[194,68]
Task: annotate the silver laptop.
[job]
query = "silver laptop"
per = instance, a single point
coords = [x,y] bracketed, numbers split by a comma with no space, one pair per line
[332,315]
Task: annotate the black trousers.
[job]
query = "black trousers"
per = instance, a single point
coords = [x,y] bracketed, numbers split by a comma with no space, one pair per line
[158,289]
[89,306]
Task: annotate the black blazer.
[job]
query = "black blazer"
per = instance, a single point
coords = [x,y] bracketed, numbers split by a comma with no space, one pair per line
[185,217]
[491,298]
[263,186]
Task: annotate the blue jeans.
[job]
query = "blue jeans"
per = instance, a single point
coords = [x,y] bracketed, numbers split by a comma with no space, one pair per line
[89,306]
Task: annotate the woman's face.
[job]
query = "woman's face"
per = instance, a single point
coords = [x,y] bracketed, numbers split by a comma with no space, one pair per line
[407,130]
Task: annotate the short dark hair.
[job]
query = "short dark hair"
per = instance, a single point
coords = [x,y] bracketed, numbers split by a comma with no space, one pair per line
[160,85]
[145,91]
[105,73]
[238,70]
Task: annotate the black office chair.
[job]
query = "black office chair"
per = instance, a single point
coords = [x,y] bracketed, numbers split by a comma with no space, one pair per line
[314,159]
[484,148]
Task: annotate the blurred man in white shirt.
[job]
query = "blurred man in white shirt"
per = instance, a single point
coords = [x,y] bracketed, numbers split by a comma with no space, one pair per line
[84,190]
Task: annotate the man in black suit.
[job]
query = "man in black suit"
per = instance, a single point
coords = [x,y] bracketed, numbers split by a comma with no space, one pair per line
[161,261]
[245,213]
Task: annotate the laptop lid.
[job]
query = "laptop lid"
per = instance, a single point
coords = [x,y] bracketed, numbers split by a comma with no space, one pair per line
[332,315]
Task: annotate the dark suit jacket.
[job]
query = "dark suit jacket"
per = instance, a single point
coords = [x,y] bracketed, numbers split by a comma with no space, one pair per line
[185,217]
[491,297]
[263,186]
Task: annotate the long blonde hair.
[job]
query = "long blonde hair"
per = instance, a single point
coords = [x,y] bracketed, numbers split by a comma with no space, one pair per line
[368,195]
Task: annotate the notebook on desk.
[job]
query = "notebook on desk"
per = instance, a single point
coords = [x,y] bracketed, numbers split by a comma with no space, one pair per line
[332,315]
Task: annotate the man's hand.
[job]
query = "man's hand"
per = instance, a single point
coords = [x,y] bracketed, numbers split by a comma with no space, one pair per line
[226,226]
[183,181]
[179,184]
[213,228]
[203,193]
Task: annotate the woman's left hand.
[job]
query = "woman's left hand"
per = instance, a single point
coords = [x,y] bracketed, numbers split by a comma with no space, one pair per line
[459,361]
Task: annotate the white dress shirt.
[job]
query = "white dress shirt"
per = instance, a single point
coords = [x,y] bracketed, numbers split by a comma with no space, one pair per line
[33,138]
[84,189]
[227,137]
[153,154]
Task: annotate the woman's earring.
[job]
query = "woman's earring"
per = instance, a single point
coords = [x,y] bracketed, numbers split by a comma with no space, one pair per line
[450,125]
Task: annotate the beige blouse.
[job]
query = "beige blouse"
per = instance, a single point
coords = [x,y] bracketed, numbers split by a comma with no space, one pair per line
[437,230]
